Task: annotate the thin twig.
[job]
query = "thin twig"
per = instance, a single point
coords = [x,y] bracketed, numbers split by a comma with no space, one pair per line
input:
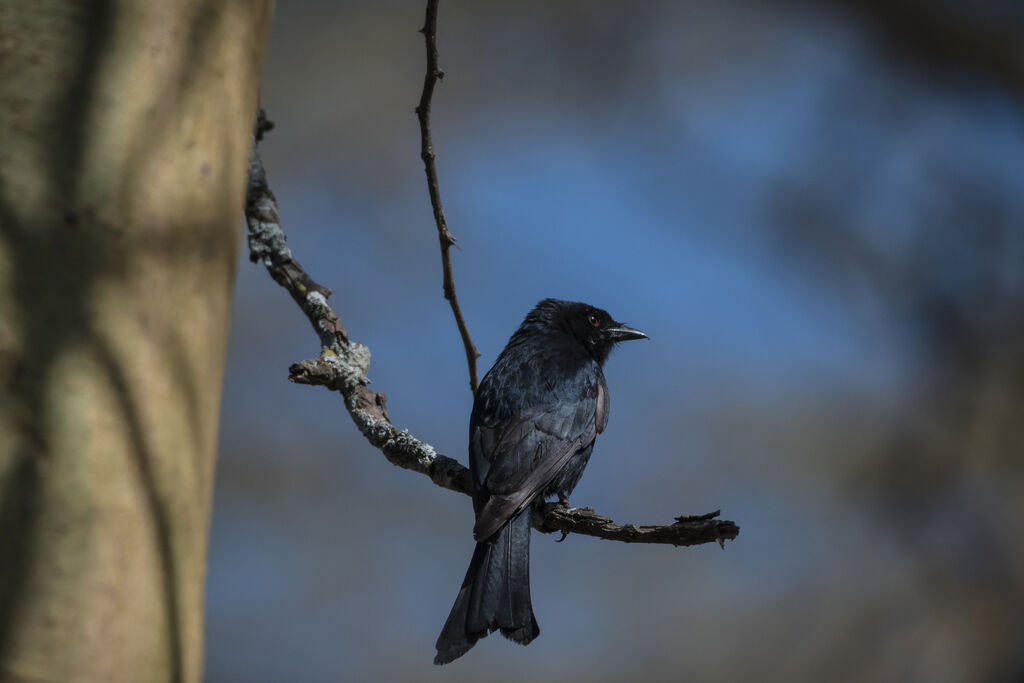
[343,365]
[444,235]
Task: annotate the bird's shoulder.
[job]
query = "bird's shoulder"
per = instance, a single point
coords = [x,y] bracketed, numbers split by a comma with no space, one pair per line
[542,382]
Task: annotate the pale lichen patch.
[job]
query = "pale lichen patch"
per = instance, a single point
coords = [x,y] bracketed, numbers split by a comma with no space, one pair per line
[350,363]
[316,303]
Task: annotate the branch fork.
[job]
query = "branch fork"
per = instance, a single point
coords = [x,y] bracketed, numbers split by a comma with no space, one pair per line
[343,366]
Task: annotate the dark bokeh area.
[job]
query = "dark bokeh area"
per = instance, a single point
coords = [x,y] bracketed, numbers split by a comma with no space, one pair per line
[817,213]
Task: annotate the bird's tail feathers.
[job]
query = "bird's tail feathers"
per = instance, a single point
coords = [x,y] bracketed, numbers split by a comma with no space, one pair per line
[495,594]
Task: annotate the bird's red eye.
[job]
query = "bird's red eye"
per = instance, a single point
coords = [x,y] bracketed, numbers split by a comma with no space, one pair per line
[594,320]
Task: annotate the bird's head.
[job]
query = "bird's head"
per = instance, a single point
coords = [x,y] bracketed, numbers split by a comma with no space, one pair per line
[592,327]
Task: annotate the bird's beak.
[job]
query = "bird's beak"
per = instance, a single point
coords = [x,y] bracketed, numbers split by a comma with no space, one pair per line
[623,333]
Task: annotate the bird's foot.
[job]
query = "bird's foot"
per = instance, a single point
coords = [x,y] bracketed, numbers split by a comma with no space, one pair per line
[563,500]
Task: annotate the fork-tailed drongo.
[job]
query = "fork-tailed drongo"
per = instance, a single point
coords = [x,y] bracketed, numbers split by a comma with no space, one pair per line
[535,417]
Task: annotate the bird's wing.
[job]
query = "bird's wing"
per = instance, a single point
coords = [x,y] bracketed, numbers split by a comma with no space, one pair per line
[603,405]
[524,454]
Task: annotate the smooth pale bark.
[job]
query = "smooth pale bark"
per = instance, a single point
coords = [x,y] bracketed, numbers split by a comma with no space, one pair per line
[125,130]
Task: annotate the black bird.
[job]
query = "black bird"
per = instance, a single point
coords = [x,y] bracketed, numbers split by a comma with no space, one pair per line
[535,417]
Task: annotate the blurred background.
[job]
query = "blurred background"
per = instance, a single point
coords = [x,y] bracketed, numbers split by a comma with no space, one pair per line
[816,210]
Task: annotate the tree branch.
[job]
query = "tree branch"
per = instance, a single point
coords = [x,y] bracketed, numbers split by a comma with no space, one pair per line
[686,530]
[444,235]
[343,365]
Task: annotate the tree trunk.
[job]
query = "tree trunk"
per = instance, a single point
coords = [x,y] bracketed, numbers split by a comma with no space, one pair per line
[125,129]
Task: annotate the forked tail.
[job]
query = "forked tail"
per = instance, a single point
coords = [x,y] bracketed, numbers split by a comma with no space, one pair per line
[495,593]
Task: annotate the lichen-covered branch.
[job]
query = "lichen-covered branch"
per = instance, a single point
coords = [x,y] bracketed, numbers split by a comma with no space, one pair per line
[267,245]
[444,235]
[343,366]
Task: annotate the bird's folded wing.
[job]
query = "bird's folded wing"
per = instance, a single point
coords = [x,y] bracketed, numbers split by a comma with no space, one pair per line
[527,454]
[500,507]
